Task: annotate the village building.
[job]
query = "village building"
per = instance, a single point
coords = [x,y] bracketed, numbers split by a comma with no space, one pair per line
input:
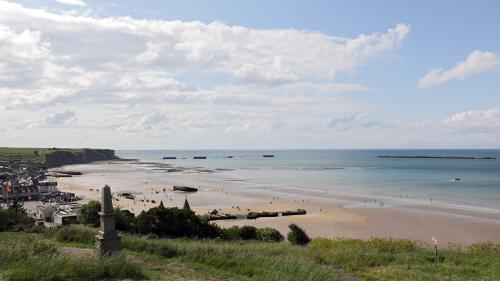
[59,214]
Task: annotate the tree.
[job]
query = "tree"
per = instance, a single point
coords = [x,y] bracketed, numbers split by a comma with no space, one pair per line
[174,222]
[15,218]
[6,219]
[89,213]
[125,220]
[297,235]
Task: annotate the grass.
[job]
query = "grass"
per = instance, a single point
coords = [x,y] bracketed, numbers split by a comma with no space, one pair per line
[38,155]
[77,235]
[248,260]
[322,259]
[386,259]
[27,258]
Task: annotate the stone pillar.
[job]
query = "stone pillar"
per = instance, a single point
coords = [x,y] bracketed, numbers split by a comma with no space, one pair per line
[107,241]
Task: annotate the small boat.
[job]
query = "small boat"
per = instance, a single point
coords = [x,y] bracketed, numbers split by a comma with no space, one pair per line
[268,155]
[457,179]
[169,157]
[200,157]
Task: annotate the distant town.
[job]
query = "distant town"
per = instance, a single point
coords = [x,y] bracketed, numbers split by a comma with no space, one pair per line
[26,181]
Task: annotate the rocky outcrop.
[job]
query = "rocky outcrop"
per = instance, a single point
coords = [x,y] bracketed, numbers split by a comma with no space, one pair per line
[64,157]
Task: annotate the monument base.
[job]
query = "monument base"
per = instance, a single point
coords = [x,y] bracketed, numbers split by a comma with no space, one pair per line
[107,246]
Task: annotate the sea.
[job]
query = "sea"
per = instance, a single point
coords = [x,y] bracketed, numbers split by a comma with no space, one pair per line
[464,182]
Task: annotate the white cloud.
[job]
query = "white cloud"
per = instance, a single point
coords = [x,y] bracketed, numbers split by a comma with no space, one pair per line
[475,63]
[480,120]
[155,124]
[61,118]
[244,53]
[351,122]
[72,2]
[125,75]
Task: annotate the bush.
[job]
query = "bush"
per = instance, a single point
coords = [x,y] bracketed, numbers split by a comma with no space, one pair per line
[232,233]
[15,219]
[297,235]
[125,220]
[248,232]
[269,235]
[89,213]
[73,233]
[252,233]
[174,222]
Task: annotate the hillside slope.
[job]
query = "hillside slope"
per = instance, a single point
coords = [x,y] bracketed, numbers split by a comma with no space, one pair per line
[54,157]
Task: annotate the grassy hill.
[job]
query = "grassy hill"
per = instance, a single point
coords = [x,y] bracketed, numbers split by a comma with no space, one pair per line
[52,157]
[38,155]
[322,259]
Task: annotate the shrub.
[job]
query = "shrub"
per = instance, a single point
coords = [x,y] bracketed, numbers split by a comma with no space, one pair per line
[74,233]
[248,232]
[174,222]
[232,233]
[269,235]
[15,219]
[125,220]
[297,235]
[251,233]
[89,213]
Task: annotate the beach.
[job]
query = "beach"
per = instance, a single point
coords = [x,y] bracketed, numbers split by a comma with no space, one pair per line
[330,213]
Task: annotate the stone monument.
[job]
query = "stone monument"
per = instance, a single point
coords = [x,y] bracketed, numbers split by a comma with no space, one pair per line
[107,241]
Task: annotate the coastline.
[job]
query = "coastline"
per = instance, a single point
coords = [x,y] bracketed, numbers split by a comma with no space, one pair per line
[330,214]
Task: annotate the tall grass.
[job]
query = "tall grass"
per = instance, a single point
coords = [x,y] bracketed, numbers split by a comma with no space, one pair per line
[386,259]
[249,260]
[78,234]
[321,259]
[27,259]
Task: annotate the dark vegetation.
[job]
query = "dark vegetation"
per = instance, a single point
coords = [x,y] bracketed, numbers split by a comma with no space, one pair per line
[175,223]
[89,213]
[14,218]
[297,235]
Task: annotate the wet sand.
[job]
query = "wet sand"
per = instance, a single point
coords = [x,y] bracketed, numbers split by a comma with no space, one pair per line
[330,214]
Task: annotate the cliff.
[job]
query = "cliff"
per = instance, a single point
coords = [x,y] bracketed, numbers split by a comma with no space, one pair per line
[80,156]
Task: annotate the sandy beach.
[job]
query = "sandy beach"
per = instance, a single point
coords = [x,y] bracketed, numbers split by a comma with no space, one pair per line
[330,213]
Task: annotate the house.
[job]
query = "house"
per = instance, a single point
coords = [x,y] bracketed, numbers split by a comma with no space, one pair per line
[60,214]
[65,218]
[45,212]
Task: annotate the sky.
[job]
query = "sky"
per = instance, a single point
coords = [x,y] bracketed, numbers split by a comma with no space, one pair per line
[250,74]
